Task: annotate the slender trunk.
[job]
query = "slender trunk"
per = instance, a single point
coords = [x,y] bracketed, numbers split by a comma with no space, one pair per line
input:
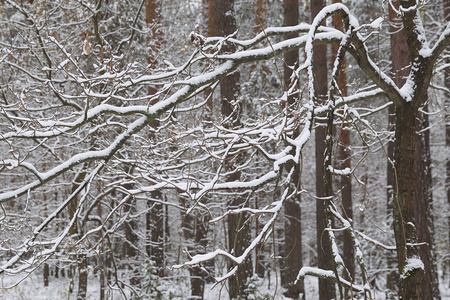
[324,254]
[345,156]
[197,274]
[82,277]
[239,234]
[261,16]
[130,254]
[400,69]
[101,265]
[293,229]
[424,205]
[155,221]
[46,274]
[211,31]
[194,232]
[76,231]
[447,124]
[155,215]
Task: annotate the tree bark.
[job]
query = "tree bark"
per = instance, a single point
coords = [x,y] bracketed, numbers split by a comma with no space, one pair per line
[400,58]
[324,254]
[46,274]
[345,156]
[155,216]
[412,274]
[239,234]
[423,203]
[130,254]
[447,123]
[293,261]
[82,277]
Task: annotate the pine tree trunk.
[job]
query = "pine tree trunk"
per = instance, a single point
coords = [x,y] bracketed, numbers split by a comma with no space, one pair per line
[130,254]
[293,261]
[447,125]
[412,274]
[82,277]
[155,215]
[424,205]
[400,68]
[46,274]
[155,224]
[239,234]
[345,156]
[324,254]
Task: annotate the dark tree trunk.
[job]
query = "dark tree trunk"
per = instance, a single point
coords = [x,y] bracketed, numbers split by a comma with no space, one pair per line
[155,216]
[130,254]
[412,275]
[293,261]
[194,232]
[261,16]
[155,225]
[210,19]
[345,156]
[239,234]
[324,254]
[82,277]
[75,230]
[447,123]
[198,279]
[424,206]
[46,274]
[400,69]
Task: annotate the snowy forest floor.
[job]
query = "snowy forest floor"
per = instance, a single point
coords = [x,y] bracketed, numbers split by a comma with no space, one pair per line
[32,288]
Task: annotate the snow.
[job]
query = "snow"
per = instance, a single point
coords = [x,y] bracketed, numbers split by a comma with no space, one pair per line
[376,24]
[412,263]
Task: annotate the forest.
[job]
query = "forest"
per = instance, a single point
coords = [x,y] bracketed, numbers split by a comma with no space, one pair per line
[221,149]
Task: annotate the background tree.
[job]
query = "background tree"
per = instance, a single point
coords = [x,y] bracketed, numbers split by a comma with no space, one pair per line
[239,232]
[323,177]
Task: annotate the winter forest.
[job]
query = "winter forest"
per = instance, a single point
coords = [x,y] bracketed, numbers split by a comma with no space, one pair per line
[221,149]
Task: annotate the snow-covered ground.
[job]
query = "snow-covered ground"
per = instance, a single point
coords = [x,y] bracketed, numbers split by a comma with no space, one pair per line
[32,288]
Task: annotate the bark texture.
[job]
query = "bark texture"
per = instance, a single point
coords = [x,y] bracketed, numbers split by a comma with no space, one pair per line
[400,58]
[424,205]
[345,156]
[324,254]
[293,261]
[239,231]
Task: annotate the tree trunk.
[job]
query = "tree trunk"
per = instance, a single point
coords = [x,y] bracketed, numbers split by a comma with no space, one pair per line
[155,215]
[293,261]
[410,268]
[210,19]
[82,277]
[194,232]
[155,225]
[75,230]
[345,156]
[400,69]
[324,254]
[239,234]
[424,205]
[46,274]
[447,124]
[261,16]
[130,254]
